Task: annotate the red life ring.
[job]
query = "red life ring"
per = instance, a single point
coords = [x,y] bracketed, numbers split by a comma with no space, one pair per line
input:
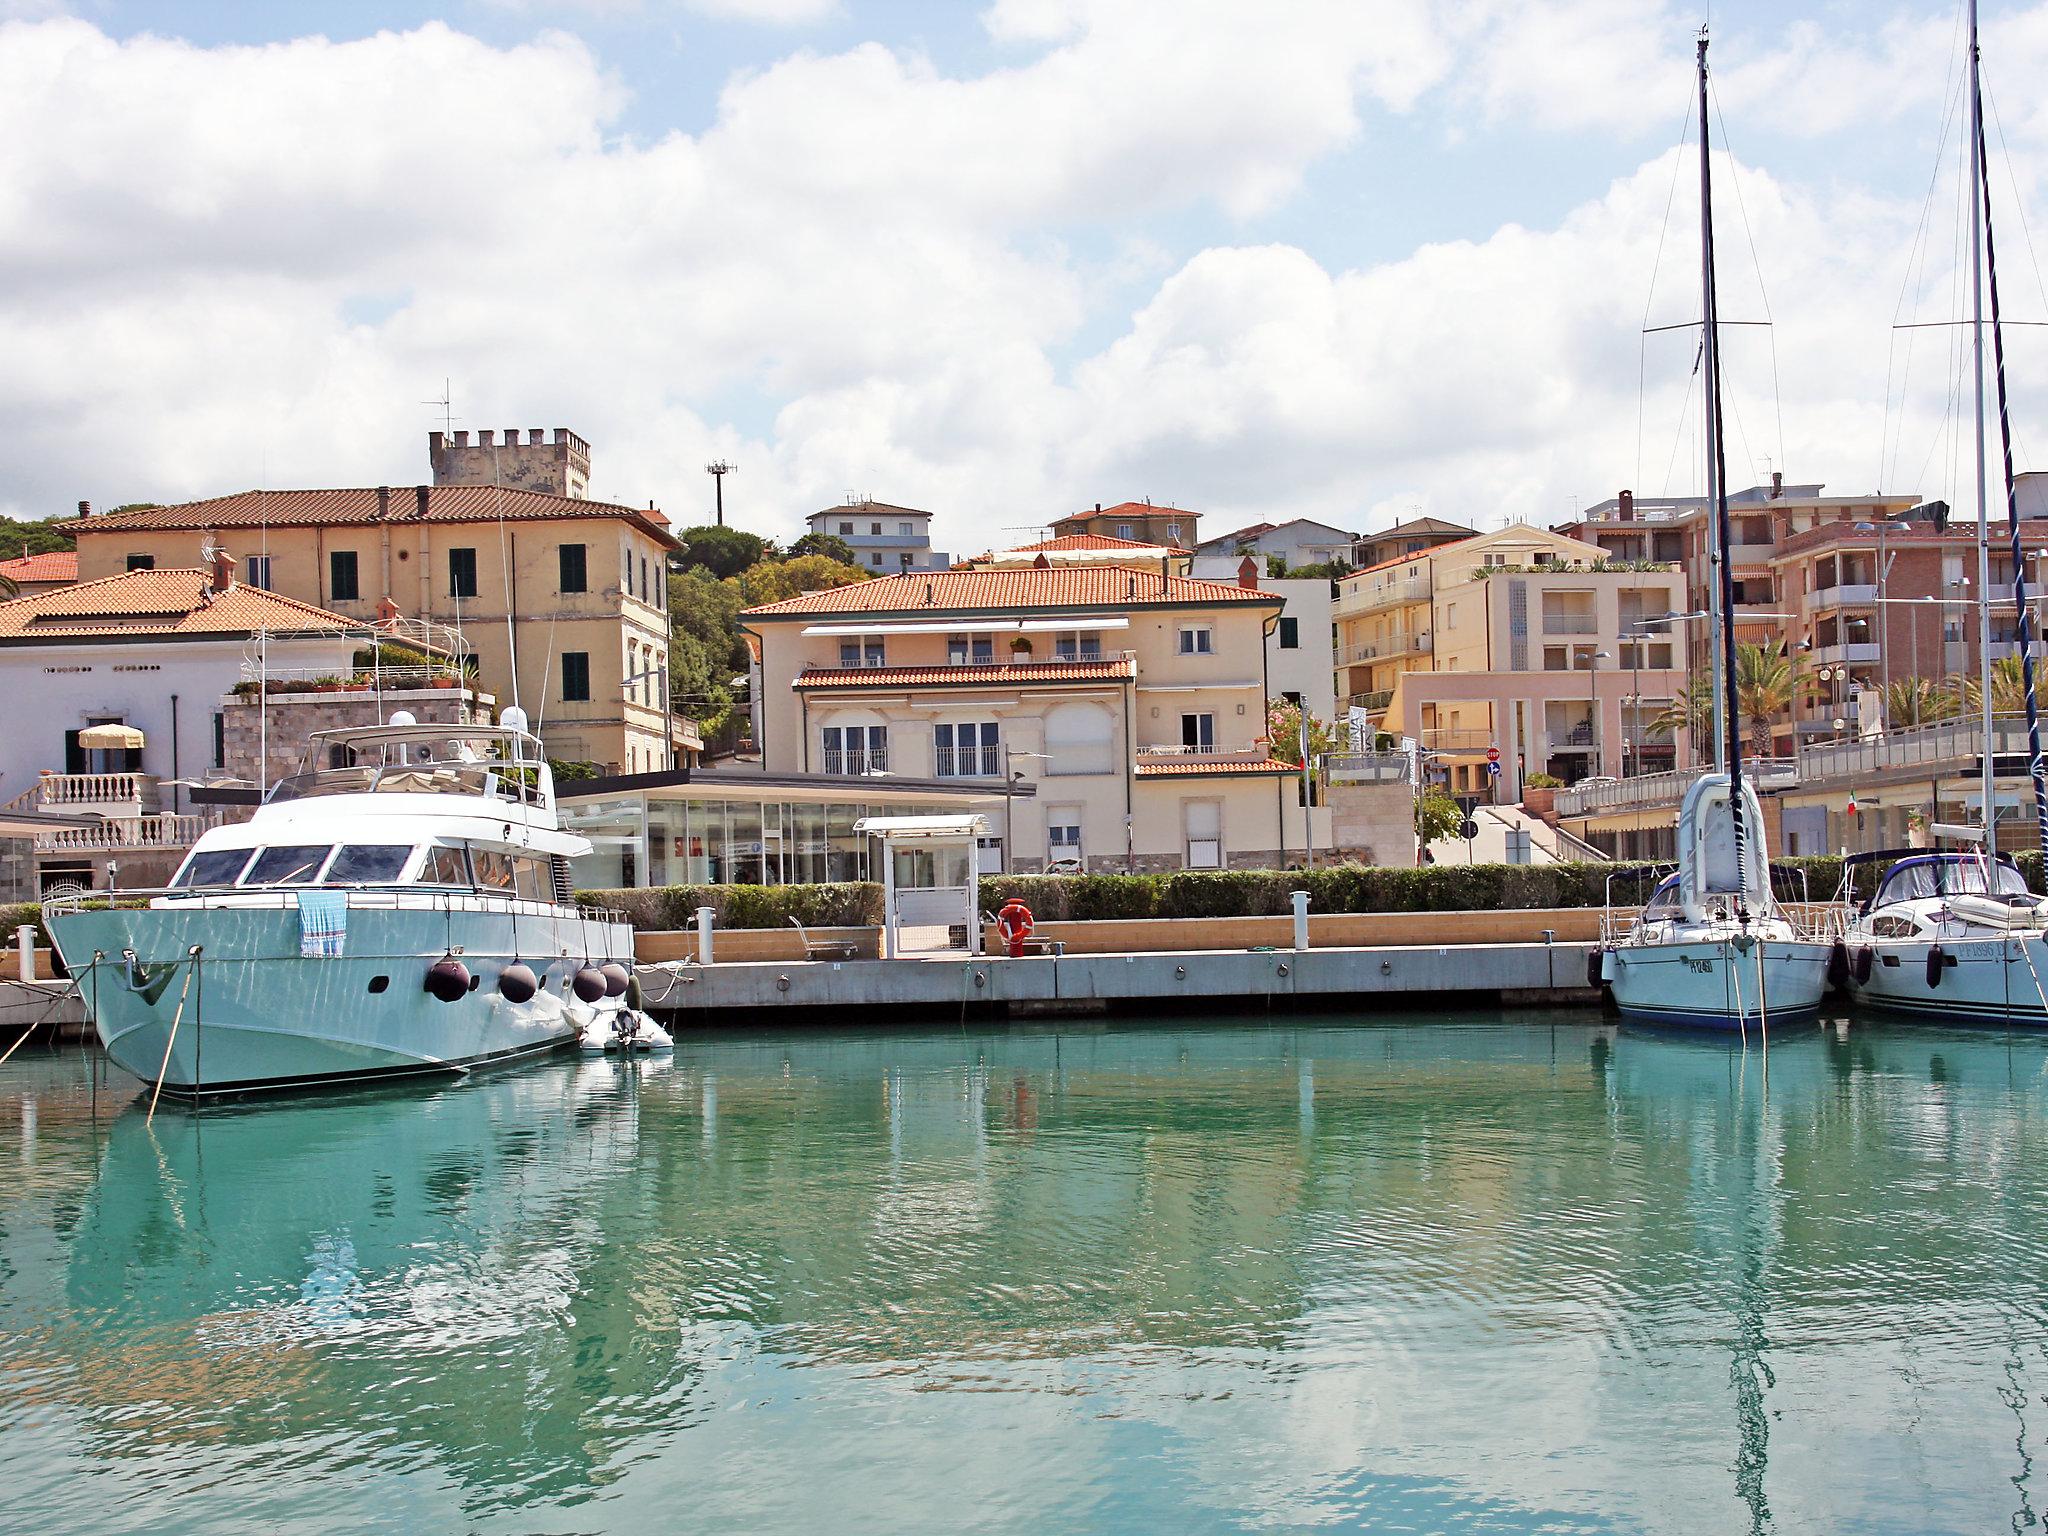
[1013,923]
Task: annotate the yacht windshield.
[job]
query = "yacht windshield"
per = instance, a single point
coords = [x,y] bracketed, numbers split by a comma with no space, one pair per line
[218,866]
[1664,902]
[1946,875]
[288,866]
[368,863]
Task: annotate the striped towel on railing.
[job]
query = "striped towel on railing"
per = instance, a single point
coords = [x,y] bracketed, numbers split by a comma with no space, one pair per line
[323,923]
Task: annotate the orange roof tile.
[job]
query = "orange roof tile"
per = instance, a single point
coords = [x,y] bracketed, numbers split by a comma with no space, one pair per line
[1089,541]
[1411,557]
[363,506]
[51,565]
[1022,674]
[1174,770]
[1015,590]
[156,604]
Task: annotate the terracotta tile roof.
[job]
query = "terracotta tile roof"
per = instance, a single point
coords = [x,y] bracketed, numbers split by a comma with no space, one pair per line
[1023,674]
[360,506]
[162,603]
[1089,541]
[51,565]
[1197,770]
[1411,557]
[1106,587]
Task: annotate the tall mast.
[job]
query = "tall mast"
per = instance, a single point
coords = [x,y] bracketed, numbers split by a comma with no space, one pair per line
[1729,719]
[1710,344]
[2023,614]
[1990,798]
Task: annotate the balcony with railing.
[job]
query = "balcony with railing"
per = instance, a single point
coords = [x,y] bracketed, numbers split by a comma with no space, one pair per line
[856,762]
[96,794]
[118,833]
[1569,614]
[1181,752]
[1843,595]
[1398,642]
[1457,739]
[1372,703]
[1365,597]
[984,762]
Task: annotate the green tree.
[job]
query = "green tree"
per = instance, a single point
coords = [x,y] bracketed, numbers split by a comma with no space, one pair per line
[1911,701]
[830,545]
[1437,816]
[2008,689]
[724,551]
[1692,710]
[1766,683]
[1283,731]
[29,536]
[775,581]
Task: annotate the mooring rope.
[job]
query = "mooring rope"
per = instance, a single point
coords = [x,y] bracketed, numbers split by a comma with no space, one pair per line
[171,1039]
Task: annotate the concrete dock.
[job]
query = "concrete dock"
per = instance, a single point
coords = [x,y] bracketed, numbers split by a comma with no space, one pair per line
[686,994]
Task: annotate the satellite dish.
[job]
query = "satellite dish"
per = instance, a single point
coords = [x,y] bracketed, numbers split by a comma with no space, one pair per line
[513,719]
[404,717]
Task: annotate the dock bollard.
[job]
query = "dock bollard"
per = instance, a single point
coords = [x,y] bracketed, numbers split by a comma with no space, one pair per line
[1300,899]
[25,946]
[704,916]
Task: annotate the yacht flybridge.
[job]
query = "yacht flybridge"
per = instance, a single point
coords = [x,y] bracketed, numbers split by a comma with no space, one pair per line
[401,906]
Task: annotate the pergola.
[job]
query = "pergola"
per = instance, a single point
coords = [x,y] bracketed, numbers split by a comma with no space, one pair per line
[939,904]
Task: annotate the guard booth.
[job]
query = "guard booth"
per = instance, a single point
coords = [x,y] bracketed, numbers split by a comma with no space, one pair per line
[931,883]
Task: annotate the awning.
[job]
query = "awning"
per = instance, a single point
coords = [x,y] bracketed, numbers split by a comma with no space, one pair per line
[112,738]
[919,829]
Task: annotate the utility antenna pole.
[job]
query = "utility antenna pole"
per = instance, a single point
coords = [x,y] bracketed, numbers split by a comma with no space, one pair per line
[447,404]
[718,469]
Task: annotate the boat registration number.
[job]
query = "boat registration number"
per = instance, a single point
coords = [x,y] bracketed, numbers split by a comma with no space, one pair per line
[1699,965]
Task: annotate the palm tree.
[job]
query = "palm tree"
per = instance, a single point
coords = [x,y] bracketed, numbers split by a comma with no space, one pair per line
[1766,683]
[1912,701]
[2008,689]
[1692,711]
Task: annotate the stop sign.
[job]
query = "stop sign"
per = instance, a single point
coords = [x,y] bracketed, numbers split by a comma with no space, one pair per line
[1493,754]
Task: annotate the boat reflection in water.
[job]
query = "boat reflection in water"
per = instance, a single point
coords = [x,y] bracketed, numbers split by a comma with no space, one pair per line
[1173,1277]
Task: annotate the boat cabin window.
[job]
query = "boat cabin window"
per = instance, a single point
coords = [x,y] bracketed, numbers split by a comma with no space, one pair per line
[493,869]
[1664,901]
[1914,879]
[288,866]
[368,863]
[533,879]
[217,866]
[443,866]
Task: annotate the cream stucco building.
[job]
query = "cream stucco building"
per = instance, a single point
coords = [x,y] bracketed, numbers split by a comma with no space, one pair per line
[1129,700]
[1522,641]
[563,601]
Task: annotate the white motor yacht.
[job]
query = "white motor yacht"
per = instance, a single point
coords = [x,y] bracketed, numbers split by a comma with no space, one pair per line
[403,906]
[1713,949]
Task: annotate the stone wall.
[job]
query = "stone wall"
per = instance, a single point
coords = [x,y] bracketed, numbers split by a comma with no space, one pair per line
[1373,823]
[294,717]
[560,467]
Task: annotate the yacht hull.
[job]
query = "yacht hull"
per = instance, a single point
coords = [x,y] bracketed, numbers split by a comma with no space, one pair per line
[1715,983]
[1996,980]
[251,1013]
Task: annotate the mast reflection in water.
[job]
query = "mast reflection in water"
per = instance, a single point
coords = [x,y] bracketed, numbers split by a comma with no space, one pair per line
[1471,1275]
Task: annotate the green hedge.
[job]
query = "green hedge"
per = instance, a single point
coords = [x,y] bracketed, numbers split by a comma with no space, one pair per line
[851,905]
[14,915]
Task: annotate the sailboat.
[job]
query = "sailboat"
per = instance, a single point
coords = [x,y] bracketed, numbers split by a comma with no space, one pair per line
[1712,949]
[1955,934]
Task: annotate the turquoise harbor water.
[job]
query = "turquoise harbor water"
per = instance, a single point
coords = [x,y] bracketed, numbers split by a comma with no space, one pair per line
[1494,1274]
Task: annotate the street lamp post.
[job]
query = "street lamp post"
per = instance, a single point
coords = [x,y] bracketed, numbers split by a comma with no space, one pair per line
[1012,777]
[1593,661]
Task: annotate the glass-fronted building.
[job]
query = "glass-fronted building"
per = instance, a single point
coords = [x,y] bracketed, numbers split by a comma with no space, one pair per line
[734,827]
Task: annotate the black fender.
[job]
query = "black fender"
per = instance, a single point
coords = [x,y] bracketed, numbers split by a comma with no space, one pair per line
[1937,960]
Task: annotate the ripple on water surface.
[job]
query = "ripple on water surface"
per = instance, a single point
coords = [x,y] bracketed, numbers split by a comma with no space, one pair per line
[1477,1275]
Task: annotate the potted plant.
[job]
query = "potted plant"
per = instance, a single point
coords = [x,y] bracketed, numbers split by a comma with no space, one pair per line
[1020,647]
[1539,795]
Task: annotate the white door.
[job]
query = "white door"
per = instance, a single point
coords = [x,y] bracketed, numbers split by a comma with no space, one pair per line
[1203,821]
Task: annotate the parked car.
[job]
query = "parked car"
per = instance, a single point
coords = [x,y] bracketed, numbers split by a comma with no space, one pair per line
[1064,867]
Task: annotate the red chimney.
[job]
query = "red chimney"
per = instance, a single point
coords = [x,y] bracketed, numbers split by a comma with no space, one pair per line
[1248,573]
[223,571]
[1627,514]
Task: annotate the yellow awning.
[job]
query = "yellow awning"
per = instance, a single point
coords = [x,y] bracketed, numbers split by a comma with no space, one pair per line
[119,738]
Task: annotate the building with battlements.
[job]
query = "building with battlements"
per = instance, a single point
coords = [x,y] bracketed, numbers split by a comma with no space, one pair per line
[556,466]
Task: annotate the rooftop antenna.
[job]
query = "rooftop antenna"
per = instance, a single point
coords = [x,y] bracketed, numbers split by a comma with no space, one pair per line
[718,469]
[447,404]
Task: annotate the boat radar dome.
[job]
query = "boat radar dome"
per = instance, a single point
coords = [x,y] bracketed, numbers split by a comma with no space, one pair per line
[404,717]
[514,719]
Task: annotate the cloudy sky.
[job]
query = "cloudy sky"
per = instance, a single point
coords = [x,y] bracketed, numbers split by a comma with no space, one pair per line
[1343,258]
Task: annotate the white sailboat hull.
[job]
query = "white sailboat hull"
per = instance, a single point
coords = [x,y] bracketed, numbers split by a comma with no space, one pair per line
[1717,981]
[1997,979]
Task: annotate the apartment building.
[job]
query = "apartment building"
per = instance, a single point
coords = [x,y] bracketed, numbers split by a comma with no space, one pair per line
[883,537]
[1760,520]
[1520,641]
[1135,522]
[1130,702]
[563,601]
[1406,538]
[1300,541]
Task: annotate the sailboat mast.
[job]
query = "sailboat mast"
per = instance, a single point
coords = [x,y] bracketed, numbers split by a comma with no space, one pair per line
[1990,796]
[2023,616]
[1709,368]
[1729,713]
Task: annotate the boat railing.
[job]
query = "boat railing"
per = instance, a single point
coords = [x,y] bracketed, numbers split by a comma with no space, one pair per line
[515,783]
[360,899]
